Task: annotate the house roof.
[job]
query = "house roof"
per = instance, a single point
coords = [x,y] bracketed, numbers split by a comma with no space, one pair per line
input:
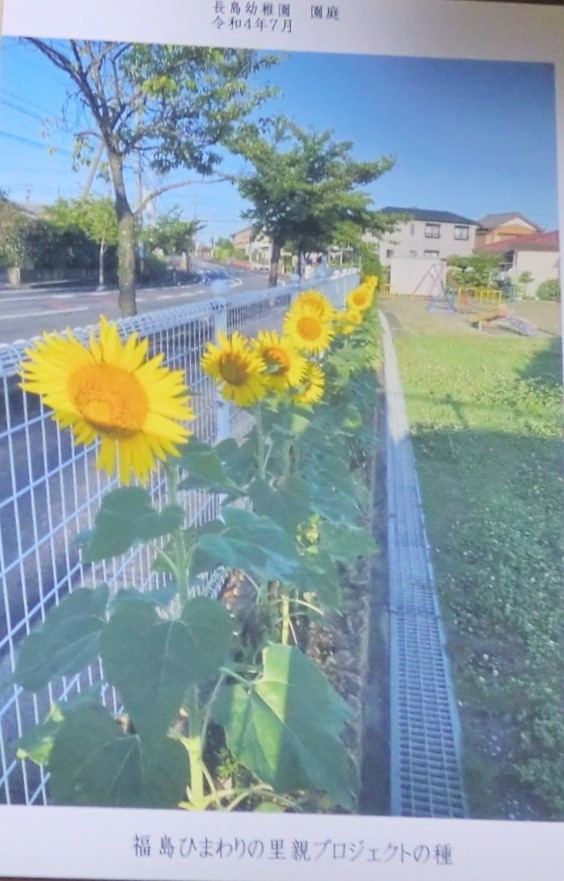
[429,215]
[491,221]
[538,241]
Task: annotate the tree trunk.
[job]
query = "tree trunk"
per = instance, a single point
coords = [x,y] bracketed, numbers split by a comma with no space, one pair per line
[101,252]
[126,239]
[274,263]
[126,264]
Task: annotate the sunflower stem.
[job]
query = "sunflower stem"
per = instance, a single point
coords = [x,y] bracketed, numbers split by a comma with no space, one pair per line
[195,749]
[285,619]
[287,460]
[180,556]
[261,451]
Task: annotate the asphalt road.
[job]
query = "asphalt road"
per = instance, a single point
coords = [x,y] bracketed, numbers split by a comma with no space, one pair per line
[27,312]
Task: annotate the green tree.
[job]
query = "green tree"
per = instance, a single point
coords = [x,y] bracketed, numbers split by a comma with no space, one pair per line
[95,217]
[223,249]
[161,107]
[302,191]
[225,244]
[50,247]
[42,243]
[476,271]
[349,235]
[13,225]
[172,234]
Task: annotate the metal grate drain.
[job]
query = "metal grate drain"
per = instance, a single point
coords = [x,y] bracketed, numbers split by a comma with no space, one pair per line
[424,725]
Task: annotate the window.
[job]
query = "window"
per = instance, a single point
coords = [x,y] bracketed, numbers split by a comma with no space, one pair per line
[413,253]
[462,233]
[432,230]
[431,253]
[509,261]
[390,252]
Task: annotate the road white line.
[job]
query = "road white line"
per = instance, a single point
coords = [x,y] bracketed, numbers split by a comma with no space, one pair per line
[52,312]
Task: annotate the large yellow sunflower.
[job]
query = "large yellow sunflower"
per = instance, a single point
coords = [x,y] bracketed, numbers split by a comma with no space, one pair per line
[312,386]
[317,299]
[348,321]
[307,328]
[361,298]
[285,366]
[237,369]
[108,391]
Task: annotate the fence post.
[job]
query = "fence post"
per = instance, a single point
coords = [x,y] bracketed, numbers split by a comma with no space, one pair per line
[222,407]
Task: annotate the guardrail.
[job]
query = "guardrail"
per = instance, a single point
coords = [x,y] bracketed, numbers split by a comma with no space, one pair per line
[50,490]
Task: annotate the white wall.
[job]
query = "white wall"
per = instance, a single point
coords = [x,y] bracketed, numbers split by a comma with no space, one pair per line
[425,278]
[543,265]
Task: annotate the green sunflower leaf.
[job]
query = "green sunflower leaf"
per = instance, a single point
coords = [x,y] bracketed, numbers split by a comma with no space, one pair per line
[334,491]
[254,544]
[346,543]
[36,744]
[239,460]
[93,763]
[126,516]
[205,470]
[162,597]
[152,662]
[288,505]
[318,573]
[67,641]
[286,726]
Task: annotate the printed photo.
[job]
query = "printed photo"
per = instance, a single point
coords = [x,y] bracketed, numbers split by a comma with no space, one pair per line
[280,361]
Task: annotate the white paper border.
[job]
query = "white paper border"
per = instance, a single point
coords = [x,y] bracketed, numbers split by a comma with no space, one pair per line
[88,843]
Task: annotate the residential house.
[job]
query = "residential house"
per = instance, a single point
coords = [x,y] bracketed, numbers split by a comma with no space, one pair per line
[258,249]
[497,227]
[242,239]
[257,246]
[427,234]
[537,254]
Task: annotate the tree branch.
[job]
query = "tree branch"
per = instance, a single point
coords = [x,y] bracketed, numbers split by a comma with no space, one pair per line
[158,191]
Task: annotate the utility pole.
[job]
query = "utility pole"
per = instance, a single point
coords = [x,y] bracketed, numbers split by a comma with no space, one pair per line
[92,170]
[139,212]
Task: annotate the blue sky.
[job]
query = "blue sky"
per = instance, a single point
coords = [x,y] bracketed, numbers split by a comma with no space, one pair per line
[471,137]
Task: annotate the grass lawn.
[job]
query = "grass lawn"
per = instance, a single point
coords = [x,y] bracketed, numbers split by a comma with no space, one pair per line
[485,415]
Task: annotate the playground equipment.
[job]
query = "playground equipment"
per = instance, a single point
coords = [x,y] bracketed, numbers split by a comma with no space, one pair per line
[504,314]
[464,300]
[465,297]
[417,277]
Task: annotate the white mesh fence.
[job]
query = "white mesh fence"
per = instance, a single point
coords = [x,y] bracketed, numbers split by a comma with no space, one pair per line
[50,490]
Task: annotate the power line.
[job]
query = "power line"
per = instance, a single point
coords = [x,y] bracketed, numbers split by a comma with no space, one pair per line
[25,101]
[29,143]
[25,112]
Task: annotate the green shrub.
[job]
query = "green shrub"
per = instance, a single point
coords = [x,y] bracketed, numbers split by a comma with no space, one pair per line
[549,290]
